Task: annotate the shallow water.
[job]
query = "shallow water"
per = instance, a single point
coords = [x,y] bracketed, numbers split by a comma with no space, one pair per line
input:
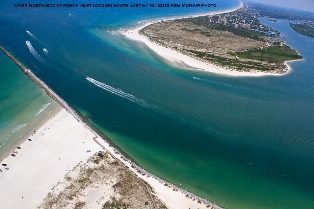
[240,142]
[23,104]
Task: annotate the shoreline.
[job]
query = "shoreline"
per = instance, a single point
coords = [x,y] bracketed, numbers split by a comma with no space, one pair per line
[159,185]
[188,62]
[30,133]
[287,63]
[57,146]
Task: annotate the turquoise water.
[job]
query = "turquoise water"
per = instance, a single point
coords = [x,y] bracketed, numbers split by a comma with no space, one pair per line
[23,104]
[240,142]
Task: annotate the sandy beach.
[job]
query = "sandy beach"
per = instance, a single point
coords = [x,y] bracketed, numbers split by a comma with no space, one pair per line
[186,62]
[61,144]
[57,147]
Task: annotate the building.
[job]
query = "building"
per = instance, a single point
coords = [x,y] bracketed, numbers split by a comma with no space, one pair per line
[235,25]
[244,26]
[223,21]
[215,19]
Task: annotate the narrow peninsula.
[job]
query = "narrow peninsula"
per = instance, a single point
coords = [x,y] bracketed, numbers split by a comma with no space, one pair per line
[235,41]
[305,29]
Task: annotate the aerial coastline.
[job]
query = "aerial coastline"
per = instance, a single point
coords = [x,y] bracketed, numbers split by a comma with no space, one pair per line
[56,109]
[53,149]
[174,57]
[210,134]
[185,54]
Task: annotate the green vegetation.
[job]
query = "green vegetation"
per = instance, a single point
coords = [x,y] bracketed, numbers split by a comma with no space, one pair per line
[79,205]
[203,21]
[83,180]
[208,34]
[117,204]
[90,171]
[272,54]
[233,63]
[239,32]
[303,29]
[189,30]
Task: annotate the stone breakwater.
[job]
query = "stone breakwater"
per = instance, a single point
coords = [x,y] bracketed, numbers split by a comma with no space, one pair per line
[188,194]
[42,85]
[79,118]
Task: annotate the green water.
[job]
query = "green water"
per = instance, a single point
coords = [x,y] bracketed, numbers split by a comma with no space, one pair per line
[21,100]
[240,142]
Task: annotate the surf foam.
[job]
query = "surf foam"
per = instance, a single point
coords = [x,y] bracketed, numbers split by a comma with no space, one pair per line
[19,127]
[43,108]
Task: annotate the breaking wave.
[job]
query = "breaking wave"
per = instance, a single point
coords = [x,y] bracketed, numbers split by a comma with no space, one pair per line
[4,142]
[34,53]
[19,127]
[196,78]
[43,108]
[222,84]
[127,96]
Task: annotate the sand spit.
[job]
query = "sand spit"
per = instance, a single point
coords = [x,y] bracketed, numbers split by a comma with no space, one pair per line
[189,62]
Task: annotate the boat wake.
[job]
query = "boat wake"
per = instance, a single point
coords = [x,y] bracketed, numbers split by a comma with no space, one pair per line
[33,36]
[118,92]
[222,84]
[43,108]
[29,33]
[45,50]
[34,53]
[127,96]
[42,60]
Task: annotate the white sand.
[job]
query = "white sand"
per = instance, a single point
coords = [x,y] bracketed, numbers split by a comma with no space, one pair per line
[37,167]
[173,199]
[187,61]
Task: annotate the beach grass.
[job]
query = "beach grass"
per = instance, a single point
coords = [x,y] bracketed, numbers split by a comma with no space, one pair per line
[273,54]
[303,29]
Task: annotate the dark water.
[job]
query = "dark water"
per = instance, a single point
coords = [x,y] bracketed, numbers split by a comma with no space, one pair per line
[240,142]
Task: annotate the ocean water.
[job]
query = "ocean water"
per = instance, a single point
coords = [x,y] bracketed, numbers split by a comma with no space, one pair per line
[241,142]
[23,105]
